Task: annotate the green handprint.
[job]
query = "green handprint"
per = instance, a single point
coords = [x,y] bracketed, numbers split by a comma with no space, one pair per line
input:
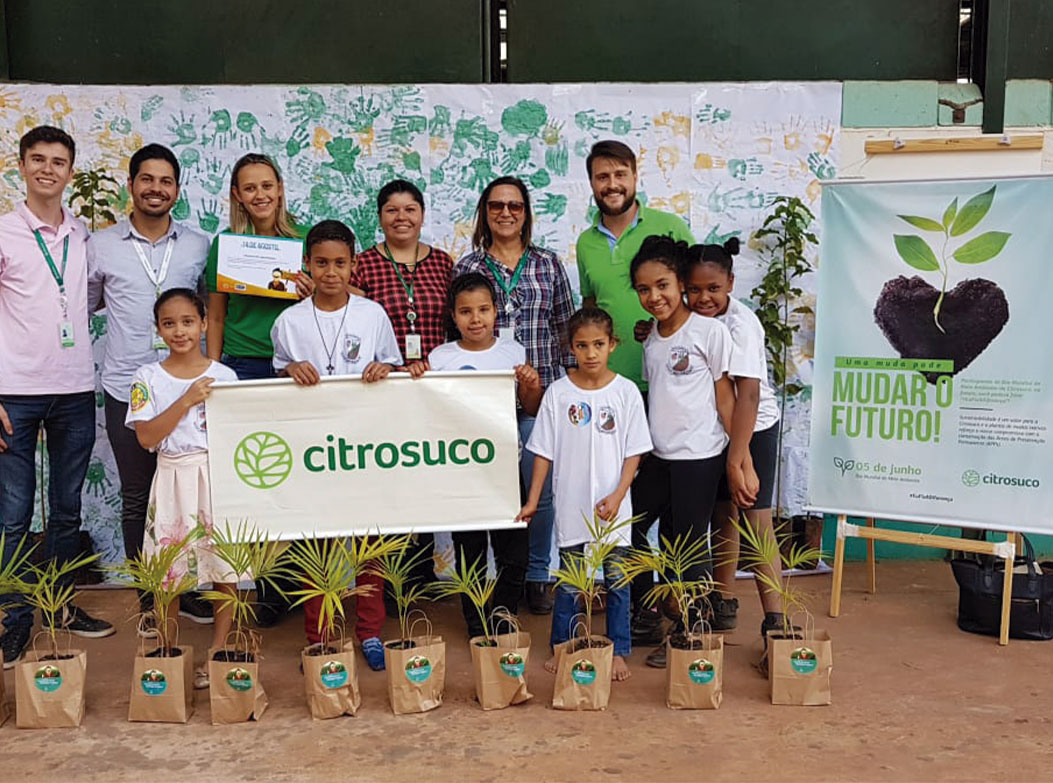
[540,179]
[402,98]
[215,177]
[467,132]
[437,176]
[362,114]
[554,204]
[550,134]
[100,400]
[344,152]
[298,142]
[96,326]
[402,129]
[581,148]
[181,209]
[121,125]
[364,222]
[308,107]
[557,159]
[189,157]
[246,123]
[208,218]
[477,174]
[411,161]
[96,480]
[515,157]
[591,120]
[183,129]
[525,118]
[740,169]
[713,114]
[271,147]
[821,166]
[621,126]
[439,125]
[220,132]
[150,107]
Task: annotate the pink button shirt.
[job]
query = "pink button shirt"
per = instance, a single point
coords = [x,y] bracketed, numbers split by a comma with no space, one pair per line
[32,359]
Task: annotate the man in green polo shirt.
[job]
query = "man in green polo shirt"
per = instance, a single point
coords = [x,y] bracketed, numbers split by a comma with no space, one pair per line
[606,249]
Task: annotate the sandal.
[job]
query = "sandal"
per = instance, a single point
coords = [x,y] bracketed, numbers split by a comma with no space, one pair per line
[201,678]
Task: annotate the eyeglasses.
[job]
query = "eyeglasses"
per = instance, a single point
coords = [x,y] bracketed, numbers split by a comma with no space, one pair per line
[497,207]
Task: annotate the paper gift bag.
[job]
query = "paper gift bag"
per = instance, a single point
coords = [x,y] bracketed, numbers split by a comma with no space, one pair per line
[49,694]
[416,675]
[162,687]
[583,677]
[799,669]
[695,677]
[5,711]
[234,690]
[331,681]
[500,672]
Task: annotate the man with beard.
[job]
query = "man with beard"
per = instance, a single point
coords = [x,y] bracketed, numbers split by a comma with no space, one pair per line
[606,249]
[604,254]
[129,265]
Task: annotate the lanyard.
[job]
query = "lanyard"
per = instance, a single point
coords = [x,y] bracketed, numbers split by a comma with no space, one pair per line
[55,273]
[159,278]
[411,314]
[510,286]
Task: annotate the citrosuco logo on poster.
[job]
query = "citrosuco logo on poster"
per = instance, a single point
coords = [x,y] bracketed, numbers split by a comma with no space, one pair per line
[973,478]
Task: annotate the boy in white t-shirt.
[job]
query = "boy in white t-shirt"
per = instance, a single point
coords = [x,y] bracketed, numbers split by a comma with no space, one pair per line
[474,312]
[336,333]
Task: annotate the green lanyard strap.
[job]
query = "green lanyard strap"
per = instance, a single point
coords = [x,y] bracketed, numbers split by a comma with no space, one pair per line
[407,286]
[55,273]
[510,286]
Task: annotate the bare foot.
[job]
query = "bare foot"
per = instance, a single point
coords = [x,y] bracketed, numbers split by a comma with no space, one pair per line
[620,669]
[552,664]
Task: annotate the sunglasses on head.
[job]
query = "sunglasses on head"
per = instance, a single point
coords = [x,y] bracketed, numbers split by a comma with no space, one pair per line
[497,207]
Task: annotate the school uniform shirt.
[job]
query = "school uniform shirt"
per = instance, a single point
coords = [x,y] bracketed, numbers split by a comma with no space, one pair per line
[347,342]
[117,281]
[588,434]
[748,358]
[154,390]
[681,370]
[32,358]
[502,355]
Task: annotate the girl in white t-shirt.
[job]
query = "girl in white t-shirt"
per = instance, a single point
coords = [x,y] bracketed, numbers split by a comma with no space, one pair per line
[753,453]
[167,412]
[473,309]
[690,405]
[591,430]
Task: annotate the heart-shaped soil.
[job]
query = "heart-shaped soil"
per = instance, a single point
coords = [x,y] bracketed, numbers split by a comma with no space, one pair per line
[972,315]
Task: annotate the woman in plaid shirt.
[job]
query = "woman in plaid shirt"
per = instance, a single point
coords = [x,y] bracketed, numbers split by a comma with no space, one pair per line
[534,305]
[410,280]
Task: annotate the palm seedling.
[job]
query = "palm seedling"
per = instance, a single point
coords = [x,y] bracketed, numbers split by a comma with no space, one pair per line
[50,589]
[473,582]
[13,567]
[396,568]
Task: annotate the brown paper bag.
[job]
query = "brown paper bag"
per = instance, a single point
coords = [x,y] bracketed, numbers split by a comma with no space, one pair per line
[583,677]
[234,691]
[500,672]
[417,675]
[331,681]
[695,678]
[49,694]
[799,669]
[162,688]
[5,711]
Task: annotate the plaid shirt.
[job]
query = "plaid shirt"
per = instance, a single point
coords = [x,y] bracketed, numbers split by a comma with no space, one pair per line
[541,307]
[376,276]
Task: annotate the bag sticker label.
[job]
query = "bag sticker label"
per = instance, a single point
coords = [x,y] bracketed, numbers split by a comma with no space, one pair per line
[48,678]
[418,669]
[239,679]
[153,682]
[333,674]
[701,671]
[583,672]
[804,660]
[512,664]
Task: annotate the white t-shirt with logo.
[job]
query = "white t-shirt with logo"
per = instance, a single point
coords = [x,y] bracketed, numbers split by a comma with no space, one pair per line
[154,390]
[588,434]
[502,355]
[680,371]
[366,336]
[748,358]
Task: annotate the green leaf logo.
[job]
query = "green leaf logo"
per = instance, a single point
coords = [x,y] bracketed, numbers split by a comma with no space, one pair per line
[263,460]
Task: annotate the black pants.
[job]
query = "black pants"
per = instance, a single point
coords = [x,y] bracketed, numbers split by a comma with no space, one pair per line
[511,555]
[135,467]
[682,493]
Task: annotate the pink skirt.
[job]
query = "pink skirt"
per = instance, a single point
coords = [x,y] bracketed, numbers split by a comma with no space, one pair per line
[181,502]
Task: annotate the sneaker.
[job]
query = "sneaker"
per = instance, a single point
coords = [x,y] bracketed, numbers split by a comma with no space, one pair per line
[195,608]
[373,649]
[200,678]
[725,613]
[646,627]
[267,615]
[539,597]
[80,623]
[13,644]
[656,659]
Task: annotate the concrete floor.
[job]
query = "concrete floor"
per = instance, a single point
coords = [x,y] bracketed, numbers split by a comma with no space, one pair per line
[914,699]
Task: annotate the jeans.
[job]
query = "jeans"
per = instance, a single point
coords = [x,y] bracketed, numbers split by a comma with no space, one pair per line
[69,426]
[510,557]
[249,368]
[540,527]
[136,467]
[567,603]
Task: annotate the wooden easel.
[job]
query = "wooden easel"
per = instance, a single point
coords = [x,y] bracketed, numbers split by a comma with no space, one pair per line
[1004,549]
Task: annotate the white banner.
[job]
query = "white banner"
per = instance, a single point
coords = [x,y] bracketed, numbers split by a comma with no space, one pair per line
[345,457]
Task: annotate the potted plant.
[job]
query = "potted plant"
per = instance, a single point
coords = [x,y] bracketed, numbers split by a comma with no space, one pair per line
[162,678]
[49,684]
[235,692]
[695,659]
[10,584]
[328,568]
[798,660]
[498,660]
[583,669]
[415,665]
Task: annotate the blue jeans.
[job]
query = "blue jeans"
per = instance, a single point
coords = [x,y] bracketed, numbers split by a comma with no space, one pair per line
[567,603]
[249,368]
[69,424]
[540,527]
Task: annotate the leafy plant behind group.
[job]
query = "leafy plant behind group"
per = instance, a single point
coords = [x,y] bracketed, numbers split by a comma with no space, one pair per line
[473,582]
[94,192]
[916,252]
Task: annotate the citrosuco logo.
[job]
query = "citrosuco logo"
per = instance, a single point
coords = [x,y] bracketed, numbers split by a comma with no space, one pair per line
[973,478]
[263,460]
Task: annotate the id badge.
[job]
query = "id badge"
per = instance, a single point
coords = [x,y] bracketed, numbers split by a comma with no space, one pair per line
[506,333]
[157,343]
[66,334]
[413,346]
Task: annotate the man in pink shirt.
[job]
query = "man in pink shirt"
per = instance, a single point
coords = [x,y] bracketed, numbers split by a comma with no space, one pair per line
[46,370]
